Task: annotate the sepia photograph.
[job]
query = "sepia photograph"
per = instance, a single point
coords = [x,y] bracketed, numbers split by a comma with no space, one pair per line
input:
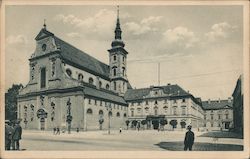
[112,77]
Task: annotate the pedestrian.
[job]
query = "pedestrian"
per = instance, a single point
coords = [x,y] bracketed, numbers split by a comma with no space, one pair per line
[189,139]
[54,130]
[12,124]
[120,130]
[17,135]
[8,135]
[58,130]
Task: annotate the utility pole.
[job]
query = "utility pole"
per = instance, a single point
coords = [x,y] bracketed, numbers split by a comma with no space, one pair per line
[159,73]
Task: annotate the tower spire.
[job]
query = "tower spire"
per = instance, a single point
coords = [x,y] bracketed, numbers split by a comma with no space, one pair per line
[118,31]
[44,24]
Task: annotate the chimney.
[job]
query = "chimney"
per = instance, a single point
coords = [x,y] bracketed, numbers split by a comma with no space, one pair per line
[219,100]
[229,99]
[209,101]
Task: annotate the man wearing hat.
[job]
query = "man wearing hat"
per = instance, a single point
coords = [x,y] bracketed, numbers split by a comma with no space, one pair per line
[17,135]
[189,139]
[8,135]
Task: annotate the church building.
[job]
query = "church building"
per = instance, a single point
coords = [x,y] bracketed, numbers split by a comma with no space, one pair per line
[70,89]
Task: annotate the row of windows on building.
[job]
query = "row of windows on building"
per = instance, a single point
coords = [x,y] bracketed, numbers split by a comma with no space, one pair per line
[103,103]
[156,110]
[156,102]
[115,58]
[101,113]
[114,71]
[90,80]
[219,116]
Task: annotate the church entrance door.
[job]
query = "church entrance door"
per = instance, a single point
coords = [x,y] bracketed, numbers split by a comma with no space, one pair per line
[42,124]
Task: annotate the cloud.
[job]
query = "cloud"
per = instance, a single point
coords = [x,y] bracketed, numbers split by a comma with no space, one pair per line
[18,39]
[220,30]
[101,23]
[73,35]
[144,26]
[181,36]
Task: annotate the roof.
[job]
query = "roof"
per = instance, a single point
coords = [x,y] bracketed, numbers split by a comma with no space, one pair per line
[169,90]
[93,92]
[75,56]
[216,104]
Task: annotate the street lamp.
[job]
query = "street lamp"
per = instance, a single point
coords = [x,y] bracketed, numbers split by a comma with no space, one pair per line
[69,116]
[109,109]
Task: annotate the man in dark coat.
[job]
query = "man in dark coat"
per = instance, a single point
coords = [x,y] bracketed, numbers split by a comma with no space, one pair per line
[17,135]
[8,135]
[189,139]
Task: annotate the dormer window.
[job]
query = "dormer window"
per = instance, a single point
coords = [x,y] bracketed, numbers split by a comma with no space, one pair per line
[80,77]
[44,46]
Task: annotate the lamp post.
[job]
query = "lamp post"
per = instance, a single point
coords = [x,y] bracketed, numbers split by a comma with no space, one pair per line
[69,116]
[109,109]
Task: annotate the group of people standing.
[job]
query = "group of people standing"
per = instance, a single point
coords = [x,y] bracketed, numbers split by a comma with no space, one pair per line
[13,133]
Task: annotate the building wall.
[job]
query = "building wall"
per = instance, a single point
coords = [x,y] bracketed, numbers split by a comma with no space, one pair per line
[215,119]
[180,109]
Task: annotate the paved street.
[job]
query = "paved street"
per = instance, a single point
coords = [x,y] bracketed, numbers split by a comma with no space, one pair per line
[128,140]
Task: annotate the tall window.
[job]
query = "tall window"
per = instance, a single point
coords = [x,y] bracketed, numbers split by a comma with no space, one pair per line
[69,72]
[146,102]
[32,72]
[219,116]
[132,112]
[156,102]
[123,71]
[114,85]
[53,68]
[43,77]
[156,111]
[100,84]
[114,57]
[212,116]
[183,110]
[175,110]
[114,71]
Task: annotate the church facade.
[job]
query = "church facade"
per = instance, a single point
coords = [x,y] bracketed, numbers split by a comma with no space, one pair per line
[69,88]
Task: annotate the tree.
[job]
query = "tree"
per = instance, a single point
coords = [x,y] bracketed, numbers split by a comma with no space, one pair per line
[163,122]
[11,102]
[144,122]
[127,122]
[100,122]
[173,123]
[134,123]
[183,124]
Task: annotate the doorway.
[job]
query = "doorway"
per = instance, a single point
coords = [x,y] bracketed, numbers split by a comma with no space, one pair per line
[42,124]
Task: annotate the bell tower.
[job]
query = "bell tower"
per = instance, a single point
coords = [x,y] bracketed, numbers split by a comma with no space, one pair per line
[118,61]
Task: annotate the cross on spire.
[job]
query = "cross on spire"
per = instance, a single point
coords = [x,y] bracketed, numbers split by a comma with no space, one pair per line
[44,24]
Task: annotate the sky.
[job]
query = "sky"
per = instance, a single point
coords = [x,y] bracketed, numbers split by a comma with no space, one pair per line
[200,48]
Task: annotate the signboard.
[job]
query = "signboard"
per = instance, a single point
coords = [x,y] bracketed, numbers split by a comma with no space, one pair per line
[41,113]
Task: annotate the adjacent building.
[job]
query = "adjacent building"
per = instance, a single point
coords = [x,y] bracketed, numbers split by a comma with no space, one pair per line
[218,114]
[169,102]
[238,106]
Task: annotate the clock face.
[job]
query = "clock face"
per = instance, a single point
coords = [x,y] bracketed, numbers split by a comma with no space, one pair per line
[44,46]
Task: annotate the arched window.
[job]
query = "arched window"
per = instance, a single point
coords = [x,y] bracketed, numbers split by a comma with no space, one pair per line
[156,102]
[118,114]
[114,71]
[114,57]
[123,59]
[91,81]
[100,112]
[156,110]
[110,113]
[80,77]
[89,111]
[100,84]
[125,115]
[123,71]
[107,86]
[69,72]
